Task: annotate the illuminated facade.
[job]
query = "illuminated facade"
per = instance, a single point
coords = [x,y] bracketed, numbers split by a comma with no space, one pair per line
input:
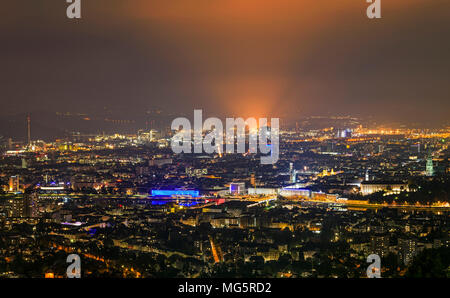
[429,168]
[368,188]
[237,188]
[171,193]
[14,184]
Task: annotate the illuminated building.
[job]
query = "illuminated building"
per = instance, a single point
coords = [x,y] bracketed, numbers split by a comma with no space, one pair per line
[14,184]
[269,255]
[295,192]
[237,188]
[292,173]
[17,207]
[368,188]
[252,180]
[408,249]
[429,168]
[171,193]
[191,172]
[262,191]
[24,163]
[326,173]
[344,133]
[160,162]
[53,187]
[380,245]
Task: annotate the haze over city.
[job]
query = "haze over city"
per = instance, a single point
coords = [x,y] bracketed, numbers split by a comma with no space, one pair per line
[283,58]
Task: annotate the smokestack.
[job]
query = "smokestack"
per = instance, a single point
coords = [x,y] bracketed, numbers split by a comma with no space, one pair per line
[29,129]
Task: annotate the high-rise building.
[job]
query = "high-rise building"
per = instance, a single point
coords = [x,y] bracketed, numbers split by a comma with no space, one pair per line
[14,183]
[17,207]
[252,180]
[344,133]
[429,168]
[24,163]
[380,245]
[294,176]
[292,173]
[408,249]
[34,204]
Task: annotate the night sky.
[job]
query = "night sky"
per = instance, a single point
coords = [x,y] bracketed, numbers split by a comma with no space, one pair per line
[286,58]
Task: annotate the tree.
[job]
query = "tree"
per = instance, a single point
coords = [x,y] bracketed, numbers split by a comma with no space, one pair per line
[431,263]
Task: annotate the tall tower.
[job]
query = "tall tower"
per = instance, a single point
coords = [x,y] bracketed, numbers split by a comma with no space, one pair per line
[429,169]
[252,180]
[29,129]
[294,176]
[292,173]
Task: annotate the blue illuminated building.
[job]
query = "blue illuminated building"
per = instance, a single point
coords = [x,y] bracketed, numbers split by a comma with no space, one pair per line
[170,193]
